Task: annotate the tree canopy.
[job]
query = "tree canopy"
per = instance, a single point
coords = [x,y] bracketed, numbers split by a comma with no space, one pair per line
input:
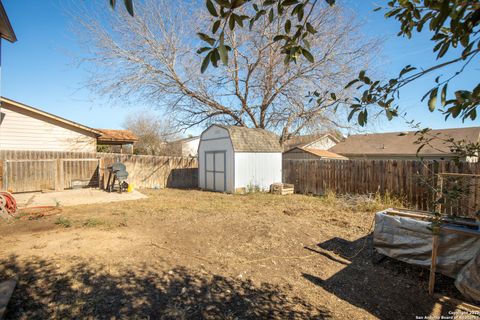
[454,25]
[154,57]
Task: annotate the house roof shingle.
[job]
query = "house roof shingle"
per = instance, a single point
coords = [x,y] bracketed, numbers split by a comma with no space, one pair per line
[184,140]
[394,143]
[253,139]
[120,136]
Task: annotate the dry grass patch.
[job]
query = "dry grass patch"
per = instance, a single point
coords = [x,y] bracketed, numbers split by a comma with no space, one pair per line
[191,254]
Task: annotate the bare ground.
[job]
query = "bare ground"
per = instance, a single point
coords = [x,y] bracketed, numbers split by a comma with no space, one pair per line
[193,254]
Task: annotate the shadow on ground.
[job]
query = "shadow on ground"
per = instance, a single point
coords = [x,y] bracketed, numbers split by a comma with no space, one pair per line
[84,291]
[388,290]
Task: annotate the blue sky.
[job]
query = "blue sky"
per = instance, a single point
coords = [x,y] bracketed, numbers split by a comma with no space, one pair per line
[39,68]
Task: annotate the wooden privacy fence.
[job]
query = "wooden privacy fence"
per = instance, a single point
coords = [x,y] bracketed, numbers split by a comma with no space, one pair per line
[24,171]
[413,181]
[154,171]
[49,174]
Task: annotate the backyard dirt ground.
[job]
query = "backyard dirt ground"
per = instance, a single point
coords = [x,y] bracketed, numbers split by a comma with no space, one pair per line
[188,254]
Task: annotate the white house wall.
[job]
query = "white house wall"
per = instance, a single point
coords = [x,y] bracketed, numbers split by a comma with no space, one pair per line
[190,148]
[22,131]
[216,139]
[257,169]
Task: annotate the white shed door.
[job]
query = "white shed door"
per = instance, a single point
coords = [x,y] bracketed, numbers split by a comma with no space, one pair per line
[215,170]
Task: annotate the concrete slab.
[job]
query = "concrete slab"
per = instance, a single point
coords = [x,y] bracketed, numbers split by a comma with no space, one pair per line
[74,197]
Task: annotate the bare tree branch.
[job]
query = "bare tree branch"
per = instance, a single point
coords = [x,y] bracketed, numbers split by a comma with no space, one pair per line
[151,58]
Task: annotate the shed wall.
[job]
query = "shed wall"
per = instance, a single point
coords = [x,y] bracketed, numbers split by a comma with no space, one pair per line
[257,169]
[23,131]
[216,139]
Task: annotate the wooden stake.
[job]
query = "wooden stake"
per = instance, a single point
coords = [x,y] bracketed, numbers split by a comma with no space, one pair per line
[433,266]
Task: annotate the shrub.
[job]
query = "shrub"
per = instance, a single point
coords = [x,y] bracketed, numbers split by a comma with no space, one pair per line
[93,222]
[366,203]
[64,222]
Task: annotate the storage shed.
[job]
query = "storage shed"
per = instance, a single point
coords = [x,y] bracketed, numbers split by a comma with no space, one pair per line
[232,158]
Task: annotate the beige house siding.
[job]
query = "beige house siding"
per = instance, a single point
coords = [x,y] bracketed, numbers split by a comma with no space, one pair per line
[324,143]
[25,130]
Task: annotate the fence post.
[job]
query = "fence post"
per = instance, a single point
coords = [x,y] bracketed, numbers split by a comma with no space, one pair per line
[439,193]
[59,175]
[2,165]
[101,173]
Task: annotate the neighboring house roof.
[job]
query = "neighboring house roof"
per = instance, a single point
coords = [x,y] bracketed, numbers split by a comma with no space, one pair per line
[253,139]
[305,140]
[116,136]
[14,105]
[6,30]
[185,139]
[397,143]
[322,153]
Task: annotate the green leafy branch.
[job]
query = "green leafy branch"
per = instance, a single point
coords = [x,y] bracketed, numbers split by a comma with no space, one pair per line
[128,5]
[231,14]
[455,24]
[384,93]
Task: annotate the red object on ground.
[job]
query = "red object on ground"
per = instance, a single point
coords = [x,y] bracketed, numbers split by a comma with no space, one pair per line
[7,202]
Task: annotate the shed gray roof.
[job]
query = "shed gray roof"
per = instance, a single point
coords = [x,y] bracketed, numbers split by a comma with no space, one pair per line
[252,139]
